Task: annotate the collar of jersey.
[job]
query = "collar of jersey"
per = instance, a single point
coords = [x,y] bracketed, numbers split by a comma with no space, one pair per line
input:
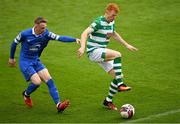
[33,32]
[104,19]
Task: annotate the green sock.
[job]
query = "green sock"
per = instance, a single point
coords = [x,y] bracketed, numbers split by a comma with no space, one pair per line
[117,70]
[112,90]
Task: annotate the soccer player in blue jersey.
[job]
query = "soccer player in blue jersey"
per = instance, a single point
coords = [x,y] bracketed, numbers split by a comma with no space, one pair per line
[33,41]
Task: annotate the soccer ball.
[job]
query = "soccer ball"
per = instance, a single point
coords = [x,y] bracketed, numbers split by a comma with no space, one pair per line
[127,111]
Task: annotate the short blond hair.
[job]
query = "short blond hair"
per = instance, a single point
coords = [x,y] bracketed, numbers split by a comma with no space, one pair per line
[40,19]
[112,6]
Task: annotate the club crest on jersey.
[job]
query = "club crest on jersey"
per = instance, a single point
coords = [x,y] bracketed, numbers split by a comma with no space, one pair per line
[35,47]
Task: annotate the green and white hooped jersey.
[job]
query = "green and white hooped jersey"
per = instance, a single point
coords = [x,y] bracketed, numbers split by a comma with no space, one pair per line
[99,38]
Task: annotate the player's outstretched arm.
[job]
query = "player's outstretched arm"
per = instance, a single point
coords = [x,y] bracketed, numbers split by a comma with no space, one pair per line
[118,38]
[84,37]
[60,38]
[66,39]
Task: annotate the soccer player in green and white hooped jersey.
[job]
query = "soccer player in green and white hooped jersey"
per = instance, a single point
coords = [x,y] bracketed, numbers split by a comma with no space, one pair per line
[97,36]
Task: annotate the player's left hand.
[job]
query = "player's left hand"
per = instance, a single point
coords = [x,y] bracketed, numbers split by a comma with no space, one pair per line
[131,48]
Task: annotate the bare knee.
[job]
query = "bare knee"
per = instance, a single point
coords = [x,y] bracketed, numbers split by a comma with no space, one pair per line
[117,54]
[44,75]
[112,54]
[46,79]
[36,79]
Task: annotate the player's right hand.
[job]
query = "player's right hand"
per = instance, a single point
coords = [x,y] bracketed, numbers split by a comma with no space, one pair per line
[80,51]
[12,62]
[131,48]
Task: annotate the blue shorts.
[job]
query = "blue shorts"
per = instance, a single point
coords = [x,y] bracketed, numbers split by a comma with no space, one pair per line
[30,67]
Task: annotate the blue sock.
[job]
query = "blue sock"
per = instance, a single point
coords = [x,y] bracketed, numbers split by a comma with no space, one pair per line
[31,88]
[53,91]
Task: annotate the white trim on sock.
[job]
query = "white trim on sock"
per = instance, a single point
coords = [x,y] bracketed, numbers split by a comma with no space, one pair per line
[110,94]
[117,70]
[114,85]
[58,104]
[118,77]
[112,90]
[108,99]
[120,83]
[117,65]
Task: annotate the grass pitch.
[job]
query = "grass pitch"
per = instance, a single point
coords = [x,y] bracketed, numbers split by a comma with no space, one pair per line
[153,71]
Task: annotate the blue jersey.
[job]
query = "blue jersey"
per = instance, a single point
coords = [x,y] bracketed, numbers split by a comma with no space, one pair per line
[32,44]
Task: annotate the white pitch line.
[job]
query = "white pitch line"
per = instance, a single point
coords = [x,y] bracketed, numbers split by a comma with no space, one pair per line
[154,116]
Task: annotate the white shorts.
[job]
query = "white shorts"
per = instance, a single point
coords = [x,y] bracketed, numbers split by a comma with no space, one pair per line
[97,56]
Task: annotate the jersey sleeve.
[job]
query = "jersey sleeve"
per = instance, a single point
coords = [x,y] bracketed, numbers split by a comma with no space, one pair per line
[18,38]
[14,44]
[53,36]
[95,25]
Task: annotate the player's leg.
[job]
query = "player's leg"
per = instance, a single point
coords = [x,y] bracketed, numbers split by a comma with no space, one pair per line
[35,83]
[106,58]
[112,91]
[45,76]
[113,88]
[98,56]
[30,74]
[117,71]
[116,57]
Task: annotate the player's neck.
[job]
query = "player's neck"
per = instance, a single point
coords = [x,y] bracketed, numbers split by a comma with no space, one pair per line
[106,17]
[38,31]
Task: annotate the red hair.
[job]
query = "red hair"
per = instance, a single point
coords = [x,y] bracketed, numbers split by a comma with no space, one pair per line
[112,6]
